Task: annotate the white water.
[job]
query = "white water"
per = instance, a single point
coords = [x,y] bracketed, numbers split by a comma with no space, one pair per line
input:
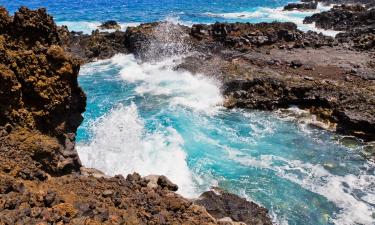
[122,145]
[87,27]
[337,189]
[261,14]
[197,92]
[278,14]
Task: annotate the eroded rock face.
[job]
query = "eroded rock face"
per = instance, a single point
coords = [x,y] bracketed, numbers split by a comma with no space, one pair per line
[39,93]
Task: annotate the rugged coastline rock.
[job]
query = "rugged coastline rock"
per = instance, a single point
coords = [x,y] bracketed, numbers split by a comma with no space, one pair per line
[98,45]
[301,6]
[343,18]
[110,24]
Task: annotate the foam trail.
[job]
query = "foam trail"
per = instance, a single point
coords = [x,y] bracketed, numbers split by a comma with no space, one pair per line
[121,145]
[338,189]
[263,14]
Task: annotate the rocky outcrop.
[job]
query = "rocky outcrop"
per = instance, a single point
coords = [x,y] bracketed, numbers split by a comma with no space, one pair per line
[229,208]
[359,38]
[40,100]
[98,45]
[246,36]
[301,6]
[158,40]
[110,25]
[343,18]
[357,22]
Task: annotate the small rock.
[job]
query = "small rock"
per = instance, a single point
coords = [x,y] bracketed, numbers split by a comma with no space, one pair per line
[353,71]
[308,67]
[308,78]
[107,193]
[164,182]
[110,24]
[49,198]
[296,64]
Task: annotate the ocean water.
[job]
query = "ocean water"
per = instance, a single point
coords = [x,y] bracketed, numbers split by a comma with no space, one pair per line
[146,117]
[87,15]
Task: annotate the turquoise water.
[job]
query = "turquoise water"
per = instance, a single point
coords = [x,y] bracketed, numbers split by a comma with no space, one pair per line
[153,120]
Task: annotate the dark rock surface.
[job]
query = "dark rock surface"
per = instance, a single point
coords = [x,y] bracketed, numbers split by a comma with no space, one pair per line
[301,6]
[98,45]
[356,21]
[110,24]
[221,204]
[343,18]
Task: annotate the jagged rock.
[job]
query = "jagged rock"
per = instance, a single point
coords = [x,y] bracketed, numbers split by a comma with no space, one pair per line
[98,45]
[164,182]
[110,24]
[221,204]
[343,17]
[301,6]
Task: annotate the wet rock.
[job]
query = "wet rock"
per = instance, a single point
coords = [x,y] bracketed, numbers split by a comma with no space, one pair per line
[221,204]
[110,24]
[301,6]
[164,182]
[343,17]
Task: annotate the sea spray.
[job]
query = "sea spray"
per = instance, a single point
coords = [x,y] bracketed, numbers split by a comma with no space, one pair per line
[120,142]
[264,14]
[121,145]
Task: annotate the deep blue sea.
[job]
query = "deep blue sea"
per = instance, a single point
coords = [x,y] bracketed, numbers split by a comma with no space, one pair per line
[148,118]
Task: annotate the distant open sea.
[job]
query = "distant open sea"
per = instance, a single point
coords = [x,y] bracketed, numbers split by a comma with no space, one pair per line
[86,15]
[148,118]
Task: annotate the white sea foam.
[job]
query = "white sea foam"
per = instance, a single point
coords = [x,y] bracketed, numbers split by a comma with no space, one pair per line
[88,26]
[197,92]
[121,145]
[263,14]
[341,190]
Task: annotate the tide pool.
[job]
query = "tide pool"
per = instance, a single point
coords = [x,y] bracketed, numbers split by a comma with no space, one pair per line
[148,118]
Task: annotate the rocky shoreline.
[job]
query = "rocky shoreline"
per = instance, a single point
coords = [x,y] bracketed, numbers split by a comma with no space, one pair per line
[42,180]
[264,66]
